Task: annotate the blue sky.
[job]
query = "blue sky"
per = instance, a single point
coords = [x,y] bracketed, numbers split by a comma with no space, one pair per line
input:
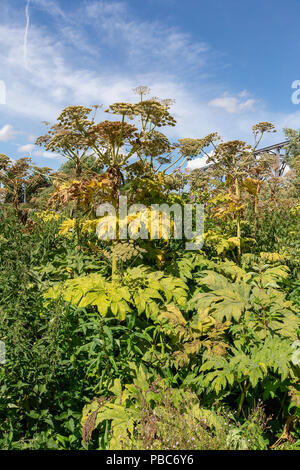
[227,63]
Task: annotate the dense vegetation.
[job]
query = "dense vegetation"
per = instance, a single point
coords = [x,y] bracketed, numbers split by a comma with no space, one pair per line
[141,344]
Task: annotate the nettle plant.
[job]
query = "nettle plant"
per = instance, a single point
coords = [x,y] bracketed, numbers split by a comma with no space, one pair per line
[148,414]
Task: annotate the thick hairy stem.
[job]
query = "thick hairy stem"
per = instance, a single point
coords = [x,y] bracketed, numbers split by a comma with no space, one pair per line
[256,207]
[77,231]
[238,220]
[78,168]
[114,267]
[244,389]
[241,402]
[174,163]
[116,177]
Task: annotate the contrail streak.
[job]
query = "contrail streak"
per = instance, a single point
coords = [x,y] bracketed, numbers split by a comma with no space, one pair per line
[26,34]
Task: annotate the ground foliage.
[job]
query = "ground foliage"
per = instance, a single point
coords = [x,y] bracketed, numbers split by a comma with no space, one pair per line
[140,344]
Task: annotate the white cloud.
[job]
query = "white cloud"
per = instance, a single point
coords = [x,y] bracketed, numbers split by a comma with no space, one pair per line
[197,163]
[51,155]
[232,104]
[7,133]
[27,148]
[247,105]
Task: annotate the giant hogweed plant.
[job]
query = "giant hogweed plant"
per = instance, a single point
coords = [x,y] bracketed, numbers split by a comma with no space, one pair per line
[264,327]
[261,326]
[226,336]
[138,288]
[227,331]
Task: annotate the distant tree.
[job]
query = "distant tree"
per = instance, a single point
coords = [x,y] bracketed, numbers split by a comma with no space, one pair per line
[293,147]
[20,179]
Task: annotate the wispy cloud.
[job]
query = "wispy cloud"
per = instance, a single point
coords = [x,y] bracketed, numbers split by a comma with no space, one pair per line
[51,7]
[146,44]
[97,52]
[26,34]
